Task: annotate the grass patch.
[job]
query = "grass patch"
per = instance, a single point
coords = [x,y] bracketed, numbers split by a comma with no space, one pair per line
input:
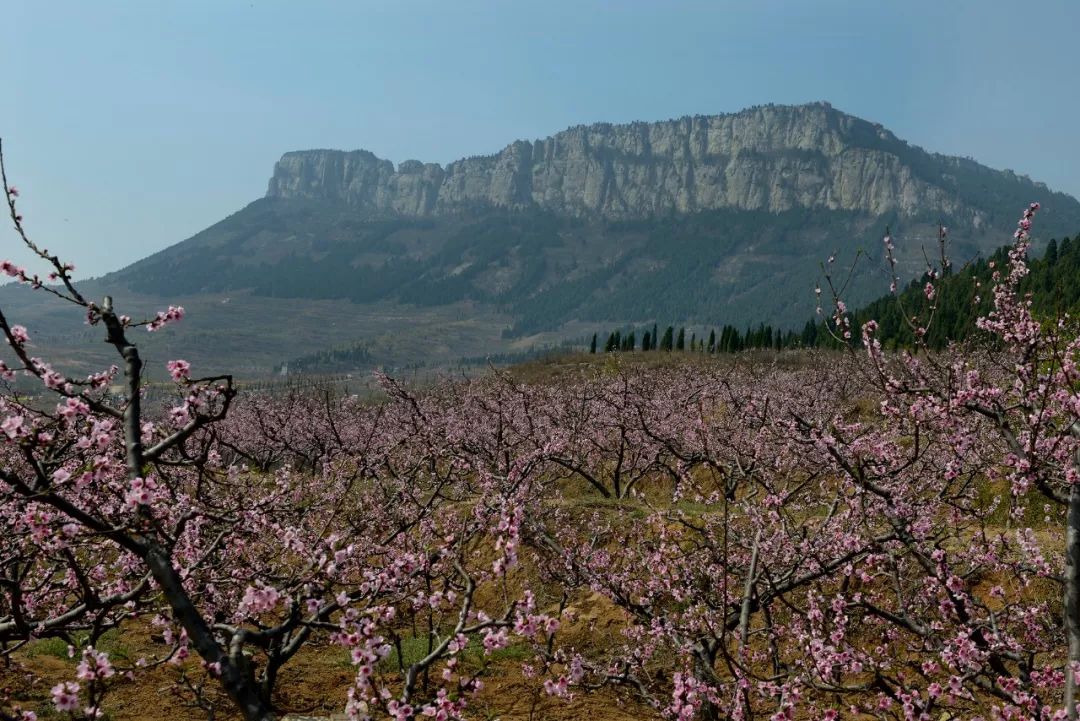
[55,647]
[414,648]
[1038,511]
[409,650]
[109,642]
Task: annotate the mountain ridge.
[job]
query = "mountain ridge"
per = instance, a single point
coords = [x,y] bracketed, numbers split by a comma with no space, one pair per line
[768,157]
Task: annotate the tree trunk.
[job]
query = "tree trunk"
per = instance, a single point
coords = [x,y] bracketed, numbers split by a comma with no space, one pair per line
[703,671]
[1072,598]
[235,678]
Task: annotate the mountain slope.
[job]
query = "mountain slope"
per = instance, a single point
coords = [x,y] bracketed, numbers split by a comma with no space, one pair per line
[711,219]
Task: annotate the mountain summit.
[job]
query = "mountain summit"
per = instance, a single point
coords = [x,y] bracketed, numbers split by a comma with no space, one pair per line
[773,158]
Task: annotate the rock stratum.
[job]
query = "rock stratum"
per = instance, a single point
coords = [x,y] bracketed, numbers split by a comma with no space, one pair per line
[770,158]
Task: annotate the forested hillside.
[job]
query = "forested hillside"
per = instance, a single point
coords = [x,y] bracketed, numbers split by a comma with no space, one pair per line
[1053,284]
[959,297]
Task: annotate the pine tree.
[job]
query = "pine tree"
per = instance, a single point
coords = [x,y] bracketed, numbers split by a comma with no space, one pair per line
[680,344]
[645,341]
[610,346]
[712,340]
[631,341]
[592,346]
[666,341]
[1049,261]
[654,337]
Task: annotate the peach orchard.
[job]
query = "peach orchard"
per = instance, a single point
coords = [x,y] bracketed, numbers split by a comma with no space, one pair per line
[857,534]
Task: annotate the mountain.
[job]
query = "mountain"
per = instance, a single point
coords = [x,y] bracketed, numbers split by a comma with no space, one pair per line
[769,158]
[706,219]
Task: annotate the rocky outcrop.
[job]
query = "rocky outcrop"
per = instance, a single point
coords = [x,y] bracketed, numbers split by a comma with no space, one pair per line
[773,158]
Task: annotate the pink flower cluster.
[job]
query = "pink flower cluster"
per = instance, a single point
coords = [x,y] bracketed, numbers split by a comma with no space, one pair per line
[65,696]
[94,666]
[142,492]
[163,318]
[258,600]
[179,370]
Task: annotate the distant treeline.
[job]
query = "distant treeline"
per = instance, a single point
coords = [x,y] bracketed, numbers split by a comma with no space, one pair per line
[514,357]
[1053,282]
[333,360]
[729,339]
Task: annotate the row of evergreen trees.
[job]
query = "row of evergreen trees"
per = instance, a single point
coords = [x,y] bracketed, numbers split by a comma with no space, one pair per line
[729,340]
[1053,282]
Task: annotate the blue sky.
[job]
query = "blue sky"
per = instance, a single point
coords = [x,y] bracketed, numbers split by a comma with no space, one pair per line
[129,126]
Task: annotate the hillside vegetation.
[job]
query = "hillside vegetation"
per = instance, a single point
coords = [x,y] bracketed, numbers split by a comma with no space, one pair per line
[702,221]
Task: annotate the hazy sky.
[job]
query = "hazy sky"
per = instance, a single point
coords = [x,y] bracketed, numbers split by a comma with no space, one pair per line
[129,126]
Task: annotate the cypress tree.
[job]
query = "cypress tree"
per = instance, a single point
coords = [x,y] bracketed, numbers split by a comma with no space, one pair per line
[666,341]
[631,341]
[610,345]
[1049,261]
[712,340]
[645,341]
[592,346]
[680,343]
[654,337]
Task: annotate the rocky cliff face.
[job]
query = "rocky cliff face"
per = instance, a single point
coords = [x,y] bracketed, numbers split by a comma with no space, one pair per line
[772,158]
